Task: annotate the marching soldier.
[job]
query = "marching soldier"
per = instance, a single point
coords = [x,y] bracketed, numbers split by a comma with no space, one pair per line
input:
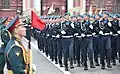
[118,37]
[115,27]
[59,41]
[105,41]
[15,53]
[77,38]
[87,41]
[96,30]
[67,35]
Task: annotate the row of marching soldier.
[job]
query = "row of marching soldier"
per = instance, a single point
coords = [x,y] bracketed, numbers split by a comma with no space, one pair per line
[76,39]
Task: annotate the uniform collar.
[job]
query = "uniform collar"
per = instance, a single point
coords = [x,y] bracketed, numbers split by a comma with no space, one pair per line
[17,39]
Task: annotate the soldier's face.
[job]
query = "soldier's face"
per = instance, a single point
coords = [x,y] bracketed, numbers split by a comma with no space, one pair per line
[21,31]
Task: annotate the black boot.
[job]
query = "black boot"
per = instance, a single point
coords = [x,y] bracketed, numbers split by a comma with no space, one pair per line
[97,64]
[60,63]
[103,67]
[114,63]
[71,65]
[109,64]
[92,65]
[66,68]
[85,66]
[56,62]
[78,63]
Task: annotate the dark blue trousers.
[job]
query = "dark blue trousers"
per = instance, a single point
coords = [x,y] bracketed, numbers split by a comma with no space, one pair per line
[87,47]
[68,50]
[105,49]
[114,47]
[59,49]
[77,46]
[96,48]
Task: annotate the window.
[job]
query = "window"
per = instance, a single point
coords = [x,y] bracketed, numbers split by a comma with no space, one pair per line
[100,3]
[118,1]
[6,4]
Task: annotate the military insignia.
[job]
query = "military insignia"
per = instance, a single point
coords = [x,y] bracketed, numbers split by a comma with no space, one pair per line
[17,54]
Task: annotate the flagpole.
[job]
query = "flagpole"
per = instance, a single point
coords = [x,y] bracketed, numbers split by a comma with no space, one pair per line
[30,53]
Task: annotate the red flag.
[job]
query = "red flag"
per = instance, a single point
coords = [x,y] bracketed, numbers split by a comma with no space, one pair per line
[37,22]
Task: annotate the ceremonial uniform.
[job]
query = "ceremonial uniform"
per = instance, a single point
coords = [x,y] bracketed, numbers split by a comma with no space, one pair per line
[105,42]
[67,42]
[15,53]
[96,30]
[77,41]
[114,45]
[87,42]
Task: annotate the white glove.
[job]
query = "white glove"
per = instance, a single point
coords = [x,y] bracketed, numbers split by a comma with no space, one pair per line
[58,36]
[83,35]
[109,24]
[48,35]
[111,33]
[72,25]
[101,32]
[91,26]
[34,67]
[75,34]
[63,32]
[93,33]
[118,32]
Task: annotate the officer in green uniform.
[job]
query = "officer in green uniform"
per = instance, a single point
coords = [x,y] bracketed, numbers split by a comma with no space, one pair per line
[15,53]
[5,37]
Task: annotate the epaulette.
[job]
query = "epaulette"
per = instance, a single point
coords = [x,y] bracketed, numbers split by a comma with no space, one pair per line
[17,44]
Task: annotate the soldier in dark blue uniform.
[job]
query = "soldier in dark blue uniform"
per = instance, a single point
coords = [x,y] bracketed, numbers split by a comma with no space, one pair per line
[96,30]
[59,41]
[118,37]
[77,38]
[105,41]
[15,53]
[87,41]
[115,27]
[67,36]
[5,37]
[54,41]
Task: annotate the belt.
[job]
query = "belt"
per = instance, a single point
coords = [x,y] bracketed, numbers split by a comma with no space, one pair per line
[106,34]
[78,36]
[115,34]
[89,35]
[53,36]
[67,36]
[10,72]
[95,36]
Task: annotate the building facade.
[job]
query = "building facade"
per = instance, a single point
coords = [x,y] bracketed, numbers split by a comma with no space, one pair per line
[10,7]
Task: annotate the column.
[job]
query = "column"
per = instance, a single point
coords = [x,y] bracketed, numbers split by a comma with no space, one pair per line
[37,4]
[70,6]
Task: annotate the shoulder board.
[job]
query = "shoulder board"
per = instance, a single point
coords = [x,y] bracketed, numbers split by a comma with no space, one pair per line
[17,44]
